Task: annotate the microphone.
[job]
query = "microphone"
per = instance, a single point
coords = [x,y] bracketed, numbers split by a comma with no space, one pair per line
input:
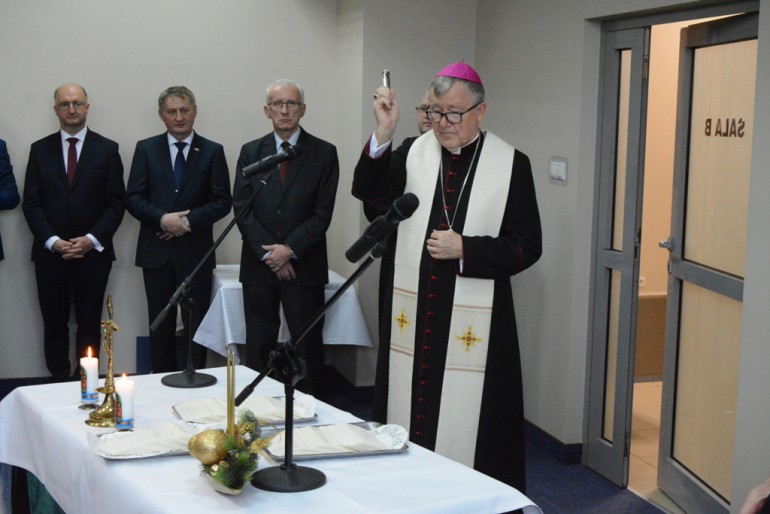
[270,161]
[384,225]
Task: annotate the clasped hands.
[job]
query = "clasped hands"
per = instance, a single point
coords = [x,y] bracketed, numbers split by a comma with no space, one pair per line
[75,248]
[174,224]
[279,261]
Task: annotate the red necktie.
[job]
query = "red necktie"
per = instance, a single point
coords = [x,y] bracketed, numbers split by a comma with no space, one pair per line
[72,159]
[283,167]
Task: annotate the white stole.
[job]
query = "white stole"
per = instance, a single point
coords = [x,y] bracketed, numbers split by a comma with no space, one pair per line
[472,305]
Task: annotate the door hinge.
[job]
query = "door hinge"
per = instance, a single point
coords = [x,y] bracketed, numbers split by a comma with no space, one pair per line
[646,67]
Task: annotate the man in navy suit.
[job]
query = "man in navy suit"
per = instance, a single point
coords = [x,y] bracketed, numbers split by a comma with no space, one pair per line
[73,203]
[179,186]
[9,194]
[283,258]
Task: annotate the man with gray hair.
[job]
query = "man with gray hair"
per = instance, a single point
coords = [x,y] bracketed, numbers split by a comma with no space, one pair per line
[179,186]
[283,258]
[448,364]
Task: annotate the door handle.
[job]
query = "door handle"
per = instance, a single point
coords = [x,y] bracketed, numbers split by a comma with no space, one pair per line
[668,244]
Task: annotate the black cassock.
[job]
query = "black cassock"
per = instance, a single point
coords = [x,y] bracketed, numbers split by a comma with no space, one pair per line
[377,182]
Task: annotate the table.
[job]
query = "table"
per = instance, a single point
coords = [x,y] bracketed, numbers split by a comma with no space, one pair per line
[224,323]
[42,431]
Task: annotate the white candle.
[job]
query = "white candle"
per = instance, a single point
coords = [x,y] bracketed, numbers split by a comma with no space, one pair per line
[124,403]
[89,378]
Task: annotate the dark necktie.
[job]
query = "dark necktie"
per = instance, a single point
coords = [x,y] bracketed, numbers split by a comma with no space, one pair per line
[72,159]
[283,167]
[179,163]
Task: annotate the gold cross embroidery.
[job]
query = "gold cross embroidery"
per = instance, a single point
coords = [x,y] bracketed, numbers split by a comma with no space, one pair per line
[402,321]
[469,339]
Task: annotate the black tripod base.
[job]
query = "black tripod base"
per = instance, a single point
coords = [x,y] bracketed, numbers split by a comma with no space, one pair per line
[188,379]
[288,479]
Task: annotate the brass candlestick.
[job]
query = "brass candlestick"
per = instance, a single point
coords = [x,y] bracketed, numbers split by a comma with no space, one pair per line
[230,389]
[104,416]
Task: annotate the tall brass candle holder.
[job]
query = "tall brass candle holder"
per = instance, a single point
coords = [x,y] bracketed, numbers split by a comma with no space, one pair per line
[104,416]
[230,390]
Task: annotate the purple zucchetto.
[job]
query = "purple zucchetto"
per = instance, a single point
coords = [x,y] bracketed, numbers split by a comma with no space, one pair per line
[460,70]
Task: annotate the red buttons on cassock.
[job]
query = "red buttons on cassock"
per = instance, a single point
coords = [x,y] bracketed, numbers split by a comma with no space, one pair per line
[422,399]
[431,296]
[429,313]
[422,383]
[428,331]
[418,434]
[424,366]
[426,347]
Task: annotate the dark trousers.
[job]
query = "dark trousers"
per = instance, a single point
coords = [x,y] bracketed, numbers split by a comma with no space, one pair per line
[160,285]
[262,311]
[60,285]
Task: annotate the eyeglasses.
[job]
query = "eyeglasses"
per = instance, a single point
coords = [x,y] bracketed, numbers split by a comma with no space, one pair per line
[291,105]
[452,117]
[423,109]
[64,106]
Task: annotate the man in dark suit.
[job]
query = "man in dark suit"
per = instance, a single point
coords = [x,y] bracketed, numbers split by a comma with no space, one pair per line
[73,203]
[9,194]
[283,259]
[179,186]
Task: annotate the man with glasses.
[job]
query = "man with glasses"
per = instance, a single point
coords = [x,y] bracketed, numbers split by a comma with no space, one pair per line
[178,188]
[448,362]
[423,122]
[283,258]
[73,204]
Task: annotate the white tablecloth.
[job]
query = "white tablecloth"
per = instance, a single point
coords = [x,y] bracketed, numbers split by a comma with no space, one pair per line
[42,430]
[224,322]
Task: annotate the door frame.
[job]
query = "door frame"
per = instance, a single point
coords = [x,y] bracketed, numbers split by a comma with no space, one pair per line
[600,456]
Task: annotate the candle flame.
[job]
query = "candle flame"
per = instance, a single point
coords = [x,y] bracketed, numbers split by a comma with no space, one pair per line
[89,352]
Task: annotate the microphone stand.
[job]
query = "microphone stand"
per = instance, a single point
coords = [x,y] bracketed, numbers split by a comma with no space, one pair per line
[189,378]
[290,369]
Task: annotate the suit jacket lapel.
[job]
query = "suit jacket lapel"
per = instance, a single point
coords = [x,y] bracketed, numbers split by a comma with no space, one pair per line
[274,183]
[295,165]
[57,157]
[86,152]
[164,158]
[193,158]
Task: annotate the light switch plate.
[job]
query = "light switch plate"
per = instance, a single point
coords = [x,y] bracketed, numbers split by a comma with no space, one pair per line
[557,170]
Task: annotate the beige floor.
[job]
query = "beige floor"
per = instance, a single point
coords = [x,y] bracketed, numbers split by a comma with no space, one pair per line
[645,433]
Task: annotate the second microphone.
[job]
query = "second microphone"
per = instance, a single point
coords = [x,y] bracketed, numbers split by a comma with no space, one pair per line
[271,161]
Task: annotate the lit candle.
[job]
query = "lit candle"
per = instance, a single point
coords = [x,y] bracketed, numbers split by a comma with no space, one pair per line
[124,403]
[89,378]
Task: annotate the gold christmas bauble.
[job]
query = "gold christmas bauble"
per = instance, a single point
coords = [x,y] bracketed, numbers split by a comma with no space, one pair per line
[208,446]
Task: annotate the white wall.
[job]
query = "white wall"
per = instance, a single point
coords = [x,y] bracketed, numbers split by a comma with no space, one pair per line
[125,54]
